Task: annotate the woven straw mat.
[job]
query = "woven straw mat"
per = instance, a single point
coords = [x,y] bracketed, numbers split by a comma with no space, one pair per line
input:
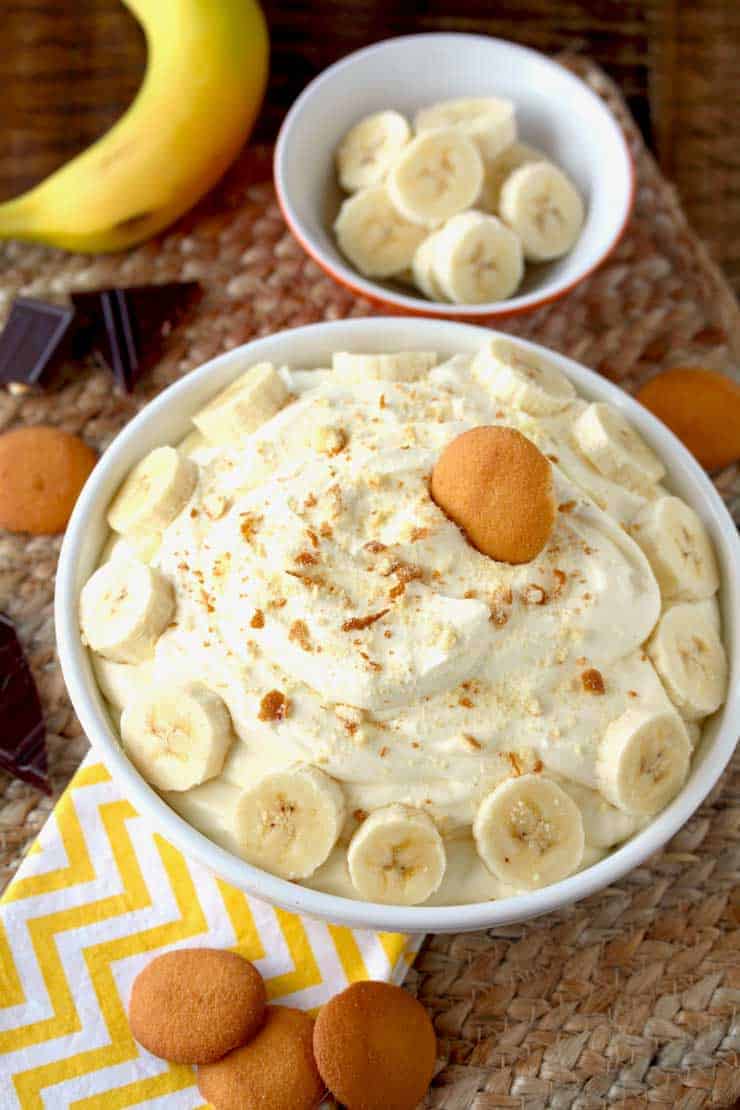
[625,999]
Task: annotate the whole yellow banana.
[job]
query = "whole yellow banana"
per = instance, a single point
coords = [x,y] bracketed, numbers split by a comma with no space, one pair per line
[203,86]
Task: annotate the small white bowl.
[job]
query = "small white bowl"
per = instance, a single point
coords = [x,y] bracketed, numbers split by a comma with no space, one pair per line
[167,420]
[556,112]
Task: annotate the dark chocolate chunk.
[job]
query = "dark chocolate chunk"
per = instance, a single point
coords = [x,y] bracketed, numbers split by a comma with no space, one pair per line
[22,725]
[35,337]
[127,327]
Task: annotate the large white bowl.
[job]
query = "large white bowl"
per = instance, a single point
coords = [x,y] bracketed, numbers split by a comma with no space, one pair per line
[556,112]
[166,420]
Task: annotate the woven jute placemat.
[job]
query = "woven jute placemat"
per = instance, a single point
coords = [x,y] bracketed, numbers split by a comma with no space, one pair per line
[625,999]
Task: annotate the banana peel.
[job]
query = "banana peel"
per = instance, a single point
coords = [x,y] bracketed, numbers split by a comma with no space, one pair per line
[206,73]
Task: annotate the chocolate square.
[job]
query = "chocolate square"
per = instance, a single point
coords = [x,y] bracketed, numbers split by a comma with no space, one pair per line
[35,338]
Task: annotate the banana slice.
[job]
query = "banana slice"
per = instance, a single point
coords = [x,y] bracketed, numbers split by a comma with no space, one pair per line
[613,446]
[689,657]
[544,208]
[289,821]
[193,441]
[142,548]
[397,856]
[177,738]
[121,683]
[603,824]
[678,549]
[522,378]
[437,175]
[368,150]
[124,608]
[406,277]
[145,545]
[404,366]
[244,406]
[487,120]
[422,269]
[529,832]
[496,172]
[477,259]
[694,733]
[377,239]
[154,493]
[643,760]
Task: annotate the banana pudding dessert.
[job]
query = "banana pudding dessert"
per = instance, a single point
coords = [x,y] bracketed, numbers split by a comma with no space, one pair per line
[455,207]
[408,629]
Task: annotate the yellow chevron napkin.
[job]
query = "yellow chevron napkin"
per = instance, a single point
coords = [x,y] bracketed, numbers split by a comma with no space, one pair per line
[100,893]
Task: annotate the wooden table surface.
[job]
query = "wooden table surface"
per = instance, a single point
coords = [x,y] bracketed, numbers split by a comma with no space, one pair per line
[69,67]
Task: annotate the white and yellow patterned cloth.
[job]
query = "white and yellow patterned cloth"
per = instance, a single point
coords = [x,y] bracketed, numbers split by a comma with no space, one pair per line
[97,896]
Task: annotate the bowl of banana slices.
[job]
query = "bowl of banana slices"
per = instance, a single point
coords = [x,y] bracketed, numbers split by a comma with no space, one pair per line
[454,175]
[404,624]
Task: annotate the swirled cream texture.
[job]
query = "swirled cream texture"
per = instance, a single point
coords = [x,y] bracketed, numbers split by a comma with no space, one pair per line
[348,625]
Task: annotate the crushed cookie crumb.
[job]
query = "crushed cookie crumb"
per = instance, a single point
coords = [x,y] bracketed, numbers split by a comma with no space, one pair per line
[350,716]
[312,581]
[299,634]
[465,702]
[560,578]
[470,594]
[356,624]
[371,662]
[415,744]
[277,603]
[359,815]
[221,565]
[375,547]
[567,507]
[384,751]
[419,534]
[500,606]
[312,537]
[325,530]
[406,572]
[382,400]
[305,559]
[538,765]
[593,681]
[215,505]
[194,513]
[274,706]
[471,742]
[258,619]
[514,761]
[632,694]
[335,493]
[310,501]
[534,594]
[249,526]
[329,441]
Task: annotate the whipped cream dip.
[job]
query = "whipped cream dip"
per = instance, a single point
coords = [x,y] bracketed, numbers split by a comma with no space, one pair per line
[326,677]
